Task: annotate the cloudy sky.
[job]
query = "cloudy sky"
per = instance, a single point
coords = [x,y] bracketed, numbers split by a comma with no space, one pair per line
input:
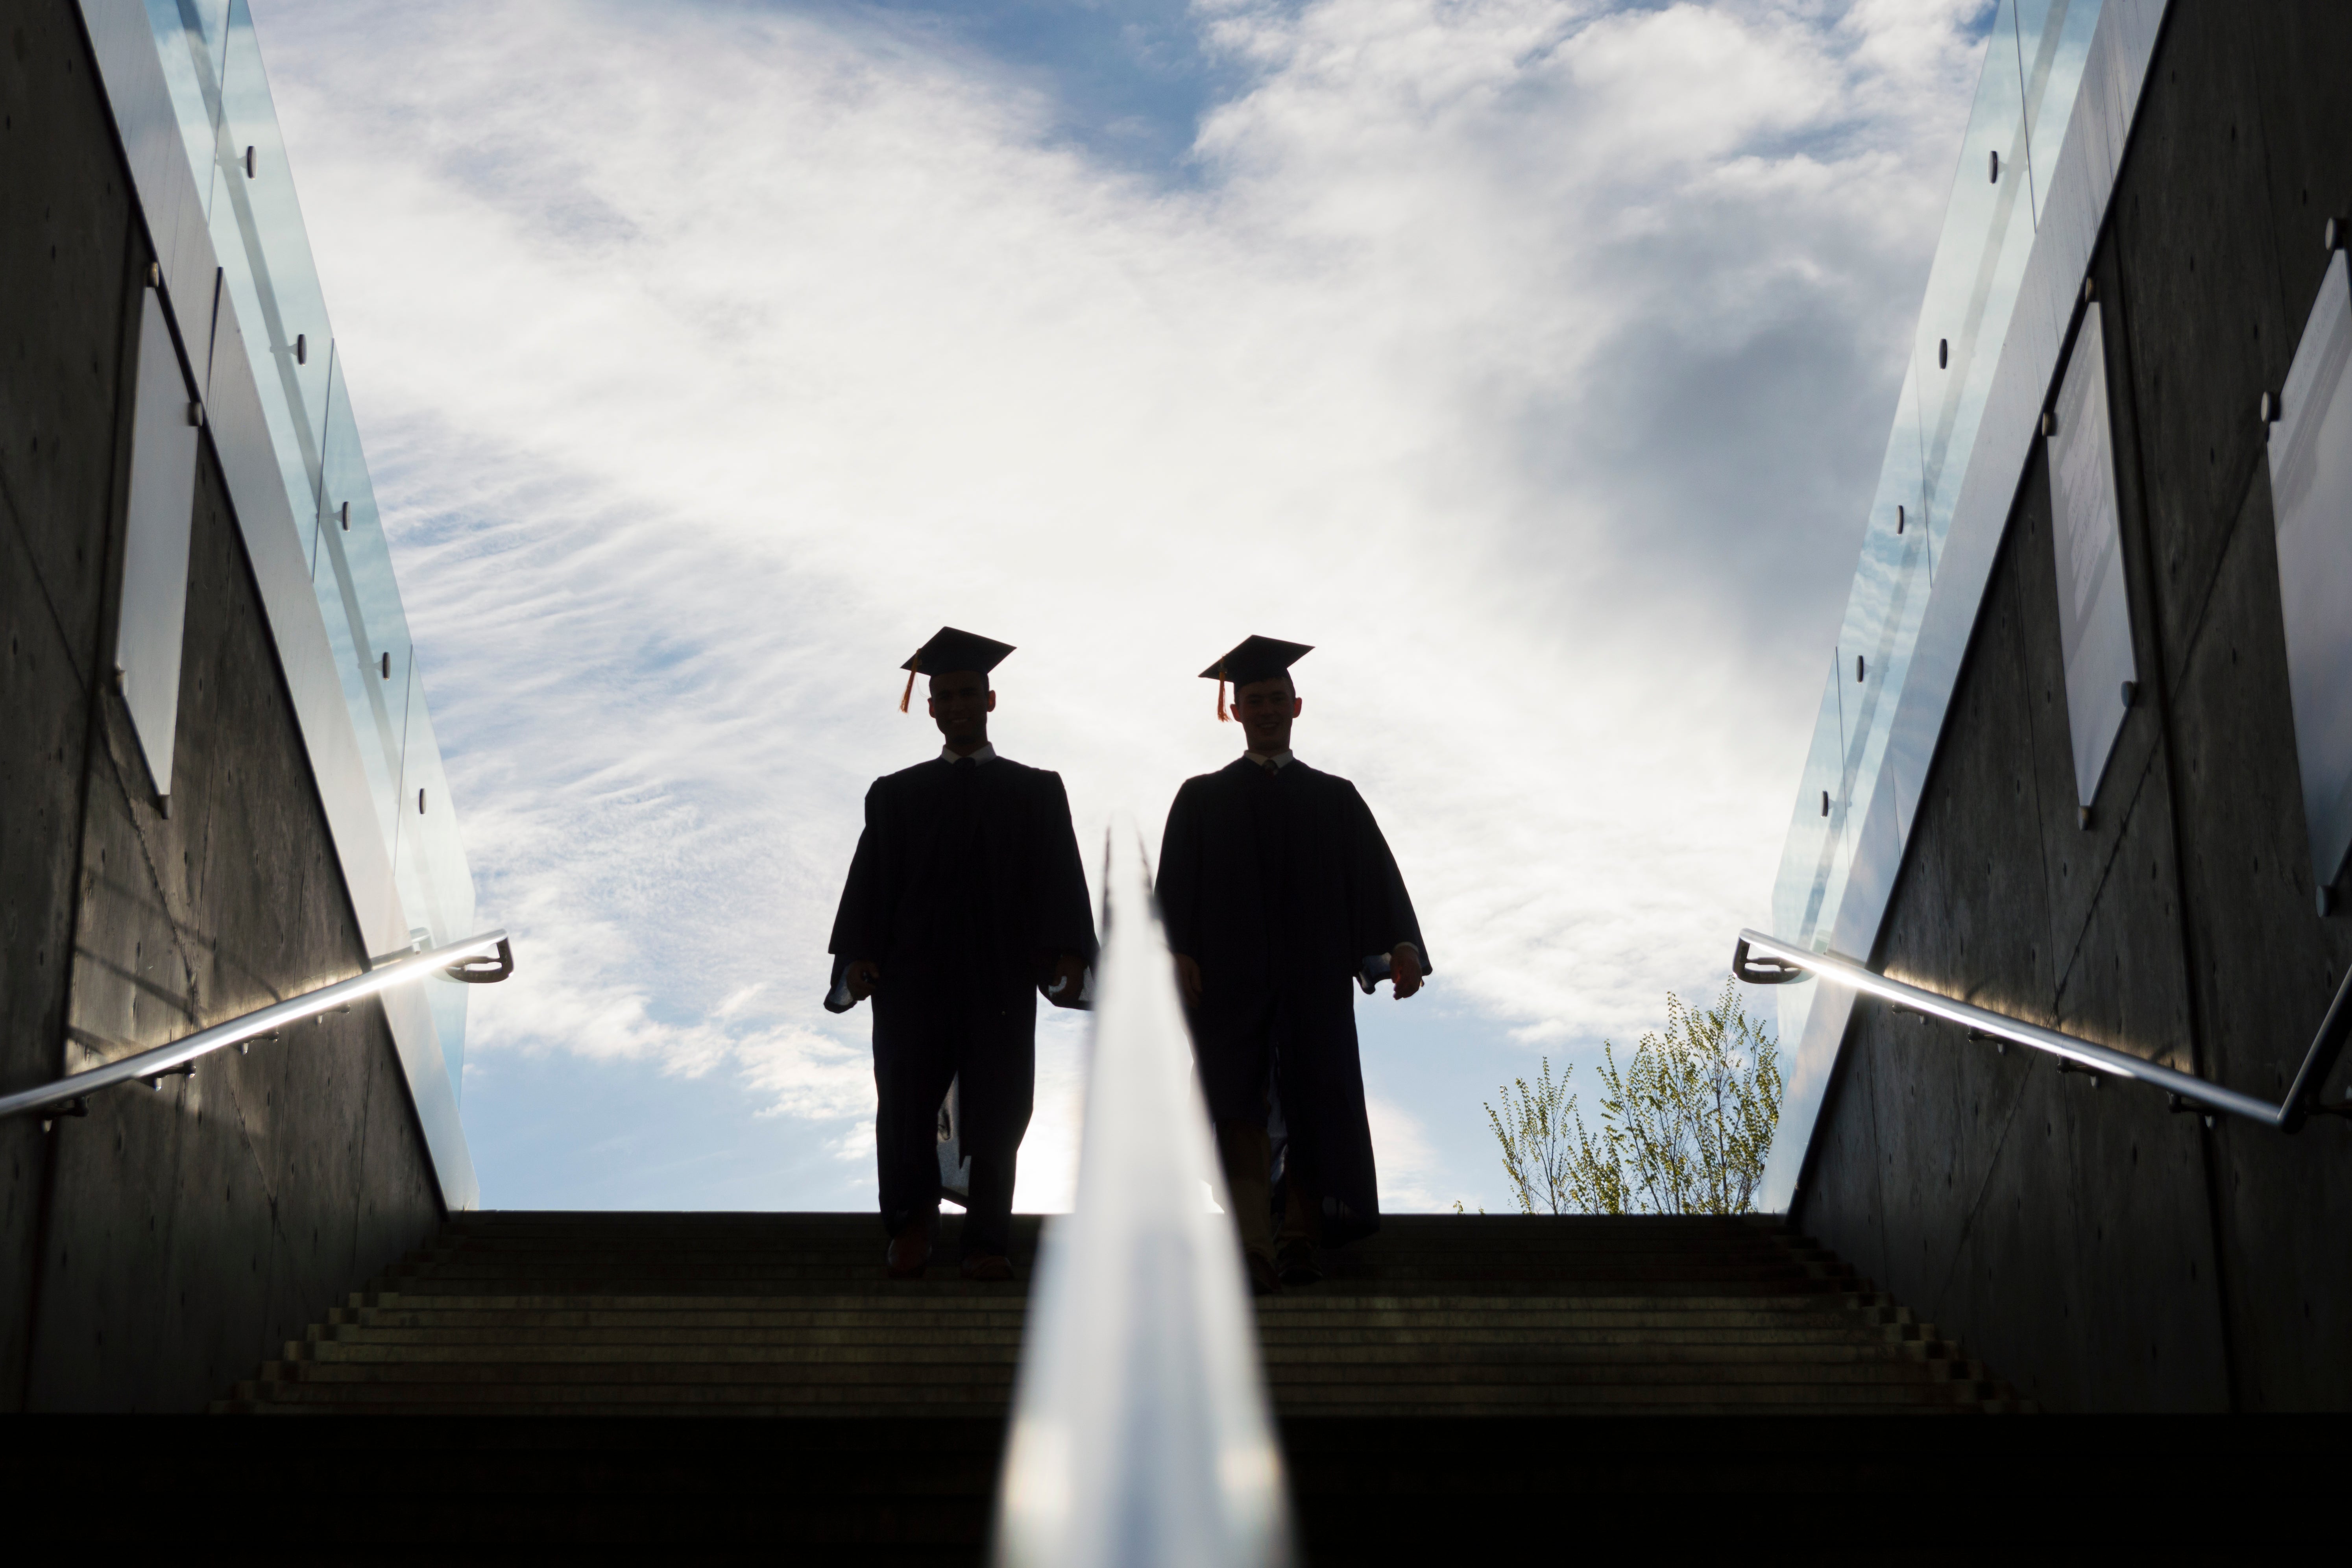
[1530,358]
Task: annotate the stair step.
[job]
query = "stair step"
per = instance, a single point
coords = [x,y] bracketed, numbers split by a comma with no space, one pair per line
[1444,1317]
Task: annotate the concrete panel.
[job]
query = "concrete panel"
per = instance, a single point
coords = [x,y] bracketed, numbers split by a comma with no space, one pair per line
[68,262]
[1931,1111]
[2014,1293]
[64,248]
[41,763]
[2306,116]
[394,1165]
[1970,905]
[1941,1101]
[2047,1222]
[244,1191]
[1964,1140]
[256,875]
[2264,966]
[1840,1195]
[2144,1233]
[2196,238]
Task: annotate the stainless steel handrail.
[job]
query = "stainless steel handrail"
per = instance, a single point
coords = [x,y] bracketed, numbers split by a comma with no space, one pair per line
[1141,1433]
[1792,962]
[179,1054]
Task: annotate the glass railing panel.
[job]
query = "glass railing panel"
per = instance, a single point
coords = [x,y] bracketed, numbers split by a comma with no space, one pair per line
[1815,858]
[436,884]
[1972,284]
[1971,299]
[1894,544]
[189,36]
[346,494]
[228,121]
[2035,55]
[2053,39]
[358,594]
[265,257]
[1882,621]
[1810,858]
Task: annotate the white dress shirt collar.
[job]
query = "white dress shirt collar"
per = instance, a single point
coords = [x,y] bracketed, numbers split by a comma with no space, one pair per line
[1272,762]
[987,754]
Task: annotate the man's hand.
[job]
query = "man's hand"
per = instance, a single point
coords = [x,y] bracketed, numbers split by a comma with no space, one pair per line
[1405,968]
[1188,980]
[1069,981]
[864,975]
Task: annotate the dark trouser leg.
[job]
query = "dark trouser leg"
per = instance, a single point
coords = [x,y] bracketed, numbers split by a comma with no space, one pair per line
[1247,1154]
[912,1066]
[1302,1215]
[1235,1052]
[988,1221]
[999,1065]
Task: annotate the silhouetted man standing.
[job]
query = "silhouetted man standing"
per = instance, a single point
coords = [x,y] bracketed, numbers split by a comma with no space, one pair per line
[965,899]
[1279,891]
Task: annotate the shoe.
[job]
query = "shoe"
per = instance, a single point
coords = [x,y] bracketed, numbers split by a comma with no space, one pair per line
[1295,1264]
[1263,1281]
[992,1267]
[911,1251]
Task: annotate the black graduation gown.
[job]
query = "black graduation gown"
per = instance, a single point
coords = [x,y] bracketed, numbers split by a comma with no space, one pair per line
[966,935]
[1280,887]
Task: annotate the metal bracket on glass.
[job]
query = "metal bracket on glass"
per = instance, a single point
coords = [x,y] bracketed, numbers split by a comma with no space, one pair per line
[485,969]
[1770,971]
[2300,1103]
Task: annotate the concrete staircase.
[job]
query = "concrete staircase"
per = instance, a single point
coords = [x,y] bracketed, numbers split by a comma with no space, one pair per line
[776,1315]
[1457,1383]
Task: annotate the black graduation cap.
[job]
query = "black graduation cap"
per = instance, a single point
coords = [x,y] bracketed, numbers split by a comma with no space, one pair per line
[951,649]
[1254,658]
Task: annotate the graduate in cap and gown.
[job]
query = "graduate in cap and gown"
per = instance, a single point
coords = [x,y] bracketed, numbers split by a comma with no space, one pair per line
[1280,897]
[966,900]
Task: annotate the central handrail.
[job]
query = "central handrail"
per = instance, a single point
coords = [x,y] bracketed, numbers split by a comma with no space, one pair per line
[1790,961]
[1140,1428]
[454,960]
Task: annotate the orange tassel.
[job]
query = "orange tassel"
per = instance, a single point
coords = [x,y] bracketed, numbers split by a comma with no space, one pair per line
[912,671]
[1222,715]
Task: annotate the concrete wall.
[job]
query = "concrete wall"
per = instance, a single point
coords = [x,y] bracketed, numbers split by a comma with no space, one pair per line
[157,1250]
[2099,1251]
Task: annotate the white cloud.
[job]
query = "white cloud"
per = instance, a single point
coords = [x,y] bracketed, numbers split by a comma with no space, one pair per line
[1408,1165]
[1531,359]
[805,1074]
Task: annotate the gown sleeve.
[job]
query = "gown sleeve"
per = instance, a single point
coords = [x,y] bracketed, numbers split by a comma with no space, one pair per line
[858,925]
[1381,908]
[1065,915]
[1178,884]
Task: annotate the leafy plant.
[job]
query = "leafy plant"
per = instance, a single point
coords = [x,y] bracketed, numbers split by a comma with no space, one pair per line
[1685,1123]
